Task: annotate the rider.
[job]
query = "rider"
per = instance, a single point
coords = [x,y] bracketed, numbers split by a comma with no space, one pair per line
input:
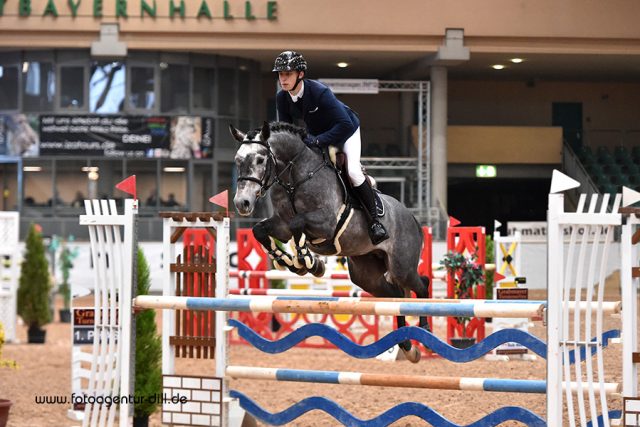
[329,122]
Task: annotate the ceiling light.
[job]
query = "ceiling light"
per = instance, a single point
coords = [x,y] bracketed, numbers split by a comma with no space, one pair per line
[497,67]
[90,169]
[25,67]
[173,169]
[517,60]
[32,168]
[342,64]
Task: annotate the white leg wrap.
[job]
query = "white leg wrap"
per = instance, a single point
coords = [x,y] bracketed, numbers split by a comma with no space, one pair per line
[308,261]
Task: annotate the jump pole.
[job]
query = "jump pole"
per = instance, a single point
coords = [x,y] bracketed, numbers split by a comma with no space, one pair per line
[342,306]
[405,381]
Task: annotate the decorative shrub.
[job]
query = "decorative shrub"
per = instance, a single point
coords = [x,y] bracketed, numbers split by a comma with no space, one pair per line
[148,349]
[35,282]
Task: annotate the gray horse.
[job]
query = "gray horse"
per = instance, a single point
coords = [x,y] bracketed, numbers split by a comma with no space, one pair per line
[312,210]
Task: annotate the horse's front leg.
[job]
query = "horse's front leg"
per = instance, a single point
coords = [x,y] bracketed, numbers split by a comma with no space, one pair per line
[266,232]
[303,257]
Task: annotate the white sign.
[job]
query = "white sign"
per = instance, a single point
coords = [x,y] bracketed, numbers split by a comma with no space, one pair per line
[536,231]
[361,86]
[531,231]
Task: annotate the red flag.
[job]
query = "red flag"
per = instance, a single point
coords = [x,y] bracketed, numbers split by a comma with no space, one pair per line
[497,277]
[221,199]
[128,185]
[453,222]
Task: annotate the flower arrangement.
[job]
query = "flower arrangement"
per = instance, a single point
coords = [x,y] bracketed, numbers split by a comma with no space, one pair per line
[4,363]
[466,274]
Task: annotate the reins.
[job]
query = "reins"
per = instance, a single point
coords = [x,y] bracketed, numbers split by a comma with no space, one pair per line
[270,178]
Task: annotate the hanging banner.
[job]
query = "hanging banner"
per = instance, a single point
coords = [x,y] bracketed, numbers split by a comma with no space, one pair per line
[179,137]
[359,86]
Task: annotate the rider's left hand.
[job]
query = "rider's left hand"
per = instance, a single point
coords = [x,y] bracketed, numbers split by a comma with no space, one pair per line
[311,141]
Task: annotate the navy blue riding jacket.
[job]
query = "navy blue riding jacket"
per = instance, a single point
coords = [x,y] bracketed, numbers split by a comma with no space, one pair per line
[329,121]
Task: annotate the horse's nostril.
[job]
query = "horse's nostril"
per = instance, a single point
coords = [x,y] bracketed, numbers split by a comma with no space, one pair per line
[245,204]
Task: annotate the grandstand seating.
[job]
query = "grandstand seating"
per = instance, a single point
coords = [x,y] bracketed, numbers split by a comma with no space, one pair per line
[612,169]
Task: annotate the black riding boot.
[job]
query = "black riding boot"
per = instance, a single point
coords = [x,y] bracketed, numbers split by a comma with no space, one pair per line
[377,232]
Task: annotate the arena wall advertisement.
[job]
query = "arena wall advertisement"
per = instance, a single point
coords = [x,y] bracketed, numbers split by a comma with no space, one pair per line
[178,137]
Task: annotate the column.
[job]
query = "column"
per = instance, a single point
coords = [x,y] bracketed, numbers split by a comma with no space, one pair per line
[439,137]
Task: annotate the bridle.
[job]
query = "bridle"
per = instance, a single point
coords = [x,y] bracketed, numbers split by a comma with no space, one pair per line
[264,181]
[272,176]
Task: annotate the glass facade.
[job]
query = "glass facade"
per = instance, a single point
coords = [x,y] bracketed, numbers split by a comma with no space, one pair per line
[197,95]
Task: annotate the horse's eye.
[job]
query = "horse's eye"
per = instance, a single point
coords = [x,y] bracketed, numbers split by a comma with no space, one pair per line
[260,161]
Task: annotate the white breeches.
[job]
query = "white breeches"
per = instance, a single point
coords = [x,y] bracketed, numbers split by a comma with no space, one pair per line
[352,149]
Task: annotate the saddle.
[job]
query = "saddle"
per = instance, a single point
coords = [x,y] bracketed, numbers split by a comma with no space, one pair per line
[339,160]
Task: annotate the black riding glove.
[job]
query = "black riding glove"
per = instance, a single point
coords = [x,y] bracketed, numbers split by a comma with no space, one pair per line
[311,141]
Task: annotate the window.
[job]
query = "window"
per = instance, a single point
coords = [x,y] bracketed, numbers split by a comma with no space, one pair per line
[37,184]
[38,86]
[203,88]
[72,186]
[8,87]
[201,187]
[142,88]
[223,139]
[227,92]
[107,87]
[173,184]
[174,88]
[146,172]
[244,86]
[72,87]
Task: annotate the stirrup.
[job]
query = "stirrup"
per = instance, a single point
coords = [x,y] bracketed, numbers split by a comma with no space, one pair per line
[377,233]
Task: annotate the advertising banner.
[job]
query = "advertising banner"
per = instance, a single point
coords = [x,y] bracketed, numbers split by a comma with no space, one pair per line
[179,137]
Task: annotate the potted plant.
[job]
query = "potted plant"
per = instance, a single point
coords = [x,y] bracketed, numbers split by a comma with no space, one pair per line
[66,264]
[34,287]
[148,368]
[5,404]
[466,274]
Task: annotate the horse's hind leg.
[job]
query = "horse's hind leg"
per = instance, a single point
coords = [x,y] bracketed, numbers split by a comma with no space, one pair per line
[424,293]
[368,272]
[411,281]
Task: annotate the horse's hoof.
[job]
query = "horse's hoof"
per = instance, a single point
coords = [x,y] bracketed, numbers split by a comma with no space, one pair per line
[277,265]
[412,355]
[297,264]
[319,269]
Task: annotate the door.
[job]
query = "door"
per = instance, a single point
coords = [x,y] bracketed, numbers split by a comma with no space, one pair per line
[568,115]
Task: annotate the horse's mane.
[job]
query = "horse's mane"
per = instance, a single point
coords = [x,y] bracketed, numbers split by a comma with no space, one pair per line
[275,127]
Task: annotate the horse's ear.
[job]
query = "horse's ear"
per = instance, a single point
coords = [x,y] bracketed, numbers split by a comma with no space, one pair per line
[236,134]
[265,132]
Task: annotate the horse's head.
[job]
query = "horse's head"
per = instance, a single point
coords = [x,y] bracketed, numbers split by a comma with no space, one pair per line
[253,160]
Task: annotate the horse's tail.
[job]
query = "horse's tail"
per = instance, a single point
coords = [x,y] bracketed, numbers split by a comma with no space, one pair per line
[419,232]
[424,279]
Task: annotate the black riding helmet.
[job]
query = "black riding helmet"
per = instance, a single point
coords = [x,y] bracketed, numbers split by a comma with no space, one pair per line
[289,60]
